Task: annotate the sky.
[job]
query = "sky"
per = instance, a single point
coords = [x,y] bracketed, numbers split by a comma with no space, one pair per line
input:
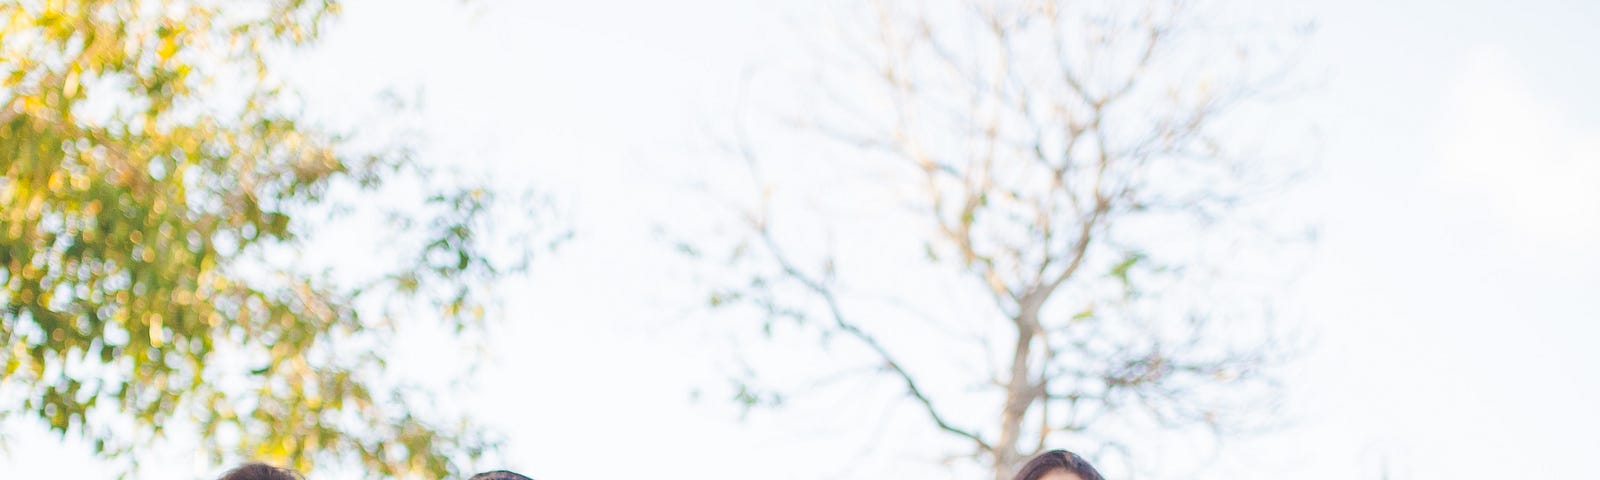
[1452,292]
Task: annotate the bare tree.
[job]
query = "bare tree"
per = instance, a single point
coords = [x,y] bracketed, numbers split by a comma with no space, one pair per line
[1072,161]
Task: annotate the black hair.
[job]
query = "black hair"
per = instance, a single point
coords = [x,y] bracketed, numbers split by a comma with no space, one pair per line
[260,471]
[499,475]
[1055,460]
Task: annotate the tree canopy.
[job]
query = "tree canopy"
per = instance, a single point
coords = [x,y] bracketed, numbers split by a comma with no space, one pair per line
[1073,169]
[159,190]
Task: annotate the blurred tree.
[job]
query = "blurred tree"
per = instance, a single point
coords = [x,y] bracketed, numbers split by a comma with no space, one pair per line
[158,195]
[1070,164]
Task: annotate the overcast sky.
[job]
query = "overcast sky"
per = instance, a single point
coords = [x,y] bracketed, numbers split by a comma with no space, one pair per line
[1454,292]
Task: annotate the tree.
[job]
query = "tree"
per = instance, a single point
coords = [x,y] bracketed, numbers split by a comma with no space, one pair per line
[1073,165]
[161,192]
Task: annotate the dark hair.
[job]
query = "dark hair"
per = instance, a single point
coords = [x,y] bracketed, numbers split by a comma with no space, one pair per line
[260,471]
[1058,460]
[499,475]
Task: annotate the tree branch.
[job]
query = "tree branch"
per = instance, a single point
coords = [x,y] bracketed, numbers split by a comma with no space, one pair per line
[871,342]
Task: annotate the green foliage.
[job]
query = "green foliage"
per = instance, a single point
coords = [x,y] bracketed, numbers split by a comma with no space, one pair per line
[157,192]
[1120,270]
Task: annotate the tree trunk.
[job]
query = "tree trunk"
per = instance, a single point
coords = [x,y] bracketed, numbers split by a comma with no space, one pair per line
[1019,398]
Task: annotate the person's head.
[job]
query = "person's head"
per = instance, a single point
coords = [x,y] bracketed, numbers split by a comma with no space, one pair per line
[1058,465]
[260,471]
[499,475]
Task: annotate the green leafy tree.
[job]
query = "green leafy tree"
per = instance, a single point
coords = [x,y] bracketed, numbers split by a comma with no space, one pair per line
[160,191]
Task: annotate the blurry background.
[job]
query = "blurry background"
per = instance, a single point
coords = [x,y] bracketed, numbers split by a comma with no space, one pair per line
[1447,160]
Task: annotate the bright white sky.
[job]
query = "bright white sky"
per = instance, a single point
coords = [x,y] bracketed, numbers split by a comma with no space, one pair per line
[1454,294]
